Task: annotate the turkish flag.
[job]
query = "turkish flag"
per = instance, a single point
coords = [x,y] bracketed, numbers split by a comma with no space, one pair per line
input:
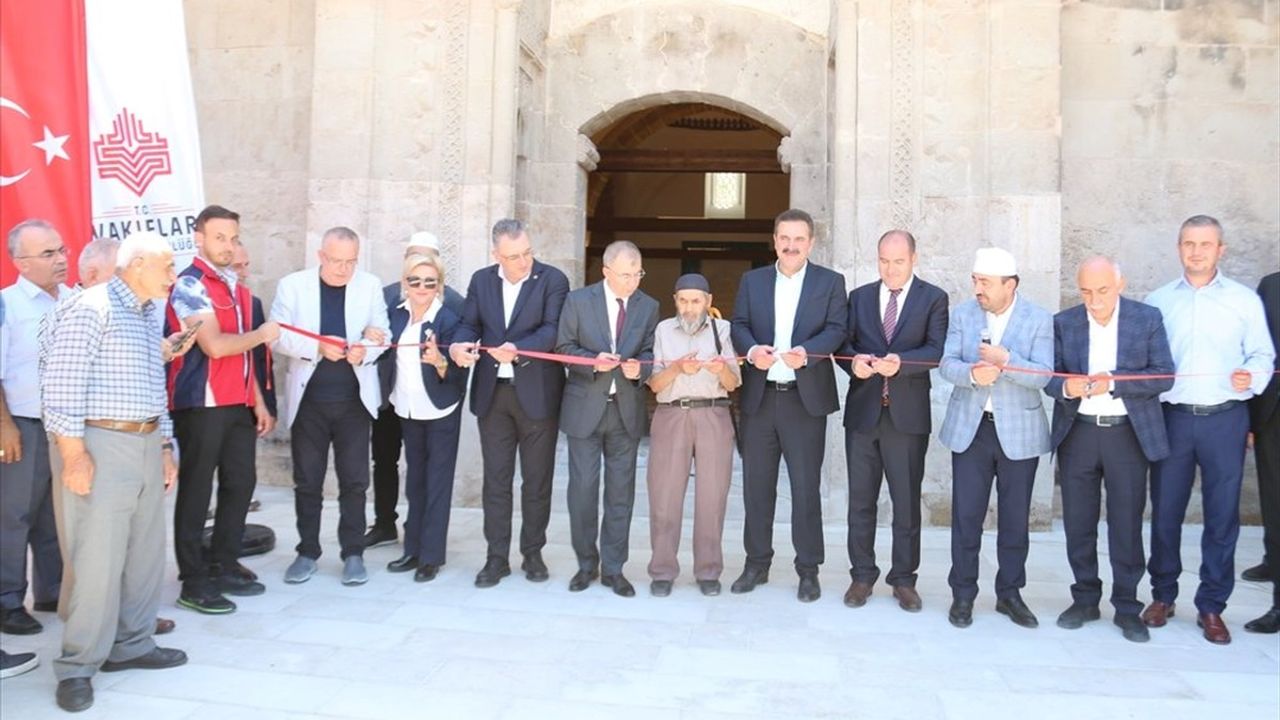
[44,122]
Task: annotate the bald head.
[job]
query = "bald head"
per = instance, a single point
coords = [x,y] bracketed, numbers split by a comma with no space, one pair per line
[1101,283]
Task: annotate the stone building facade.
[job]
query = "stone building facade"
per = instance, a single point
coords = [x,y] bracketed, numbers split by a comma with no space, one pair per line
[1056,129]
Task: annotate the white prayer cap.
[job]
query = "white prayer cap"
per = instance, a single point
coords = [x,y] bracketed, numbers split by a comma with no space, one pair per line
[994,261]
[423,239]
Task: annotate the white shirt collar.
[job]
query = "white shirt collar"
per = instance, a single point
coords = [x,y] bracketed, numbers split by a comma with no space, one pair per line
[1007,311]
[502,276]
[798,277]
[884,289]
[432,310]
[32,290]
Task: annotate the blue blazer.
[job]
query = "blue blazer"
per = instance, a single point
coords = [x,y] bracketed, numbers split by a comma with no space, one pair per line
[1142,348]
[443,391]
[1021,422]
[534,326]
[819,328]
[585,331]
[920,335]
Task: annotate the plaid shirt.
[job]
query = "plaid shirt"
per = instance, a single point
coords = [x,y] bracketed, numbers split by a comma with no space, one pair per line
[104,363]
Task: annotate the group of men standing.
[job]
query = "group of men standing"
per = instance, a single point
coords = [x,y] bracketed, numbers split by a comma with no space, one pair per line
[1142,393]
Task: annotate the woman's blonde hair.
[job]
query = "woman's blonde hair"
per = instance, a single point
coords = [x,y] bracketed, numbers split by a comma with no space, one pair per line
[415,260]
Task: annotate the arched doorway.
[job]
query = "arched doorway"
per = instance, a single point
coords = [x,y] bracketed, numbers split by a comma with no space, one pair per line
[695,186]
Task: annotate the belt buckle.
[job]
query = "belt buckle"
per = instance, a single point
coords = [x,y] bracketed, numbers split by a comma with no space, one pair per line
[684,404]
[1199,410]
[1104,421]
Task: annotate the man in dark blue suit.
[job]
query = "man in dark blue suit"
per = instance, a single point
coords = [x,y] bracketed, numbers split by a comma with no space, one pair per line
[1107,431]
[788,319]
[512,306]
[1264,421]
[386,436]
[887,416]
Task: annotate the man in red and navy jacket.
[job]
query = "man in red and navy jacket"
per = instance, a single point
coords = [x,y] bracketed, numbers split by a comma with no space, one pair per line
[218,412]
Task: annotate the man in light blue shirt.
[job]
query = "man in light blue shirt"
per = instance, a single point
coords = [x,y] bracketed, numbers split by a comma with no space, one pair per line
[1223,355]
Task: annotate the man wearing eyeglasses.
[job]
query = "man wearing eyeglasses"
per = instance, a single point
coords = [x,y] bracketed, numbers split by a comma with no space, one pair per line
[26,503]
[512,306]
[331,393]
[605,412]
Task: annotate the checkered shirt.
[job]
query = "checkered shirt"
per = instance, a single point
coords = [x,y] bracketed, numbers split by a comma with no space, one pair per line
[104,363]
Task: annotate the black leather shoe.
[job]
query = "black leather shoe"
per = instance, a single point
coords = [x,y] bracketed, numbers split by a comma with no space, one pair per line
[238,585]
[158,659]
[379,536]
[426,572]
[582,580]
[75,694]
[493,571]
[18,621]
[1258,573]
[961,613]
[749,579]
[709,587]
[1268,624]
[621,587]
[809,589]
[1017,611]
[1074,617]
[660,588]
[404,563]
[1132,627]
[534,569]
[45,606]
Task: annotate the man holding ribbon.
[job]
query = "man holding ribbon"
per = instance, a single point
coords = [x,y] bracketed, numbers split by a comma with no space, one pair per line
[1224,356]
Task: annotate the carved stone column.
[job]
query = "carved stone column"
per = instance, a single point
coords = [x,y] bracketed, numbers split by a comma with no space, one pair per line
[506,52]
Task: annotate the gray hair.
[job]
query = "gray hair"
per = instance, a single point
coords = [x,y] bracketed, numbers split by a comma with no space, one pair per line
[141,245]
[1103,259]
[30,223]
[1201,221]
[340,232]
[96,251]
[619,248]
[507,227]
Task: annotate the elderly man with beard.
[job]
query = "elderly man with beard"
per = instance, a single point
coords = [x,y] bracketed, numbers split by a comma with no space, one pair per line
[693,373]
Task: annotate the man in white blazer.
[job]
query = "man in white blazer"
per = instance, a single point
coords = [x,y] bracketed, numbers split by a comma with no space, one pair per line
[331,393]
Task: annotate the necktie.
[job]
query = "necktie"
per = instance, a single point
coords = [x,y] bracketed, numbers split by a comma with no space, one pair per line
[622,320]
[890,326]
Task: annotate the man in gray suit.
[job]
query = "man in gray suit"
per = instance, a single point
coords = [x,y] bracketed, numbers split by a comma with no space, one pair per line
[603,411]
[995,426]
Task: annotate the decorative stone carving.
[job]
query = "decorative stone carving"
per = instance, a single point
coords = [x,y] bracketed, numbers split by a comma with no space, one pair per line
[588,155]
[453,138]
[902,113]
[786,153]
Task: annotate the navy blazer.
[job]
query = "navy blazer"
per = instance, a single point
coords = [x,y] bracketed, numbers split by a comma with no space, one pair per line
[1142,348]
[261,353]
[819,328]
[920,336]
[539,383]
[443,391]
[1266,404]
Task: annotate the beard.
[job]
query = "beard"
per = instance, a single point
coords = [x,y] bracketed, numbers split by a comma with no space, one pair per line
[691,324]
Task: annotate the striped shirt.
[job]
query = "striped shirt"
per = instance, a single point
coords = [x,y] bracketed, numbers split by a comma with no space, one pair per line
[104,363]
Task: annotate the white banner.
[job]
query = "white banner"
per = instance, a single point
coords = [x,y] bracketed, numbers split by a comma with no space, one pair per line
[144,144]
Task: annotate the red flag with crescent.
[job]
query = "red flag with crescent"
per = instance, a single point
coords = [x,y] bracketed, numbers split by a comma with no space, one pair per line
[44,122]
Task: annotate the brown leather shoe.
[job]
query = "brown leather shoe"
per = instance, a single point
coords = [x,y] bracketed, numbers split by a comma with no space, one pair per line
[907,597]
[1157,614]
[164,626]
[1215,631]
[857,594]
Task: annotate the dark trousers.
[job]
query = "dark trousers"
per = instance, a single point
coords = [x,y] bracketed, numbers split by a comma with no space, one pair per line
[222,440]
[1088,457]
[26,520]
[345,425]
[1215,443]
[503,430]
[431,454]
[1266,450]
[897,457]
[612,442]
[971,475]
[386,468]
[781,429]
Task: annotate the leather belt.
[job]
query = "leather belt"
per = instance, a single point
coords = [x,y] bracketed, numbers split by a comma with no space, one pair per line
[1203,409]
[988,416]
[691,403]
[780,386]
[1103,420]
[506,381]
[137,427]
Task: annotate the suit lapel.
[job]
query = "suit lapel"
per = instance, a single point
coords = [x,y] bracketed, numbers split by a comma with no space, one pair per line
[600,313]
[905,310]
[1080,348]
[807,291]
[354,312]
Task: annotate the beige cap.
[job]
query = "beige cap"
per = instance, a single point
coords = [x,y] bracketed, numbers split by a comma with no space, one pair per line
[994,261]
